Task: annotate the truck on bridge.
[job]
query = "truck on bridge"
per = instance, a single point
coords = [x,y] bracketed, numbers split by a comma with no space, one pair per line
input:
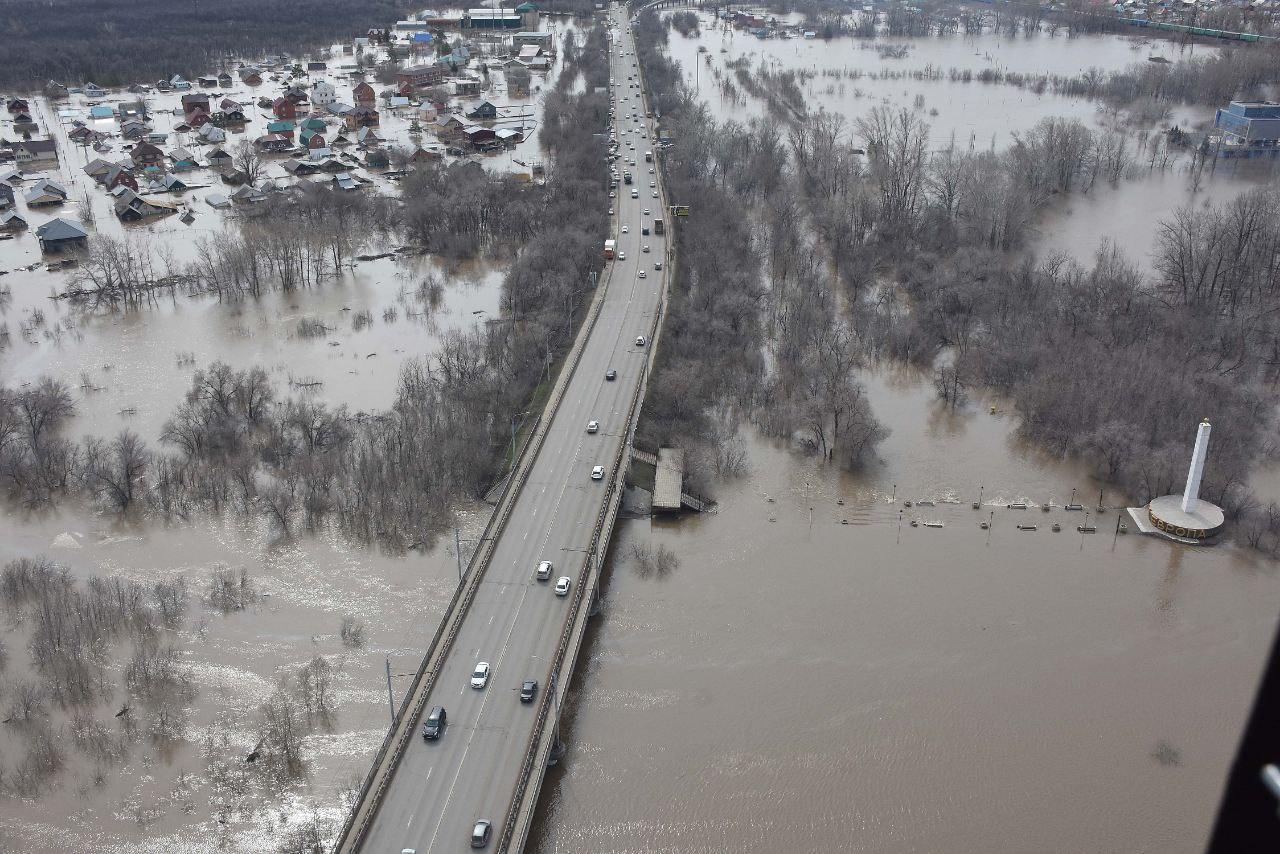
[609,247]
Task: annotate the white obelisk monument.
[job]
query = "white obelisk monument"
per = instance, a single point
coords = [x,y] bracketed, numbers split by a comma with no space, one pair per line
[1192,492]
[1187,517]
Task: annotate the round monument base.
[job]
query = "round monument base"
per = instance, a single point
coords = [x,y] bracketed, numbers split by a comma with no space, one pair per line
[1202,521]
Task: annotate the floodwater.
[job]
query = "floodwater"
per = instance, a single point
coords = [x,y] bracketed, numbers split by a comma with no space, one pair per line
[1129,213]
[167,804]
[975,114]
[802,684]
[984,116]
[139,363]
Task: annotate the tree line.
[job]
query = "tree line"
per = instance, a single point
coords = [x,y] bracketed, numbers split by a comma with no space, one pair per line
[118,42]
[753,329]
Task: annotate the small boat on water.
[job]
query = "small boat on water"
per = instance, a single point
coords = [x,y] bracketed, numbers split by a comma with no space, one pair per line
[1022,527]
[1017,505]
[1087,529]
[984,525]
[1073,507]
[933,524]
[1046,507]
[1056,527]
[926,503]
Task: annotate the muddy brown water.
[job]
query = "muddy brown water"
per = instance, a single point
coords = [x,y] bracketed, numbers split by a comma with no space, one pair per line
[802,684]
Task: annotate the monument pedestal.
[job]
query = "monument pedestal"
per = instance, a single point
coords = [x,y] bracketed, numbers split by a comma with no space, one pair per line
[1200,521]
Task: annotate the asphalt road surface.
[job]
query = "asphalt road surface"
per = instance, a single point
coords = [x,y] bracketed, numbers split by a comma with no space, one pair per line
[441,788]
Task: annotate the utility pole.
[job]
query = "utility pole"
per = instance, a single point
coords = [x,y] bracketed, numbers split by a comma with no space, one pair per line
[457,551]
[391,703]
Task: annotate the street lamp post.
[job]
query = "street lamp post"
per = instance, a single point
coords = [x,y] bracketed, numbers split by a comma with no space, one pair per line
[457,548]
[514,419]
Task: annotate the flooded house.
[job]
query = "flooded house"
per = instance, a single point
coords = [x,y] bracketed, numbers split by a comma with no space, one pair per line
[62,235]
[35,153]
[147,155]
[361,116]
[429,74]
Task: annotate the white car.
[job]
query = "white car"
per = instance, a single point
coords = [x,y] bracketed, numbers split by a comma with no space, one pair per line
[597,473]
[657,265]
[592,427]
[544,570]
[653,183]
[639,340]
[622,256]
[646,211]
[655,194]
[562,585]
[644,248]
[480,677]
[650,170]
[625,229]
[640,275]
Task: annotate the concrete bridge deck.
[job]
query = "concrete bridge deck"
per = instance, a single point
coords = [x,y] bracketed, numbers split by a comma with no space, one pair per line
[490,760]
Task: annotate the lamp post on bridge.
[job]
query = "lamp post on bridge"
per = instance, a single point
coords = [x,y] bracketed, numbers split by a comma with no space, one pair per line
[457,547]
[514,419]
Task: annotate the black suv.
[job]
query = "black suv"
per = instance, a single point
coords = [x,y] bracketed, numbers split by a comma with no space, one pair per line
[528,690]
[435,723]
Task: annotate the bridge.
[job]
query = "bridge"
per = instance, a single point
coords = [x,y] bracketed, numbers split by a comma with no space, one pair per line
[488,763]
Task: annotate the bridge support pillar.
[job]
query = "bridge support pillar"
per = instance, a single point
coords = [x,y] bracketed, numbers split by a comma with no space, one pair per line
[594,607]
[557,749]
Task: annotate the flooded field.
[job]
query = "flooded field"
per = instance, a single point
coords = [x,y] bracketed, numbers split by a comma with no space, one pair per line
[168,801]
[139,363]
[802,683]
[854,75]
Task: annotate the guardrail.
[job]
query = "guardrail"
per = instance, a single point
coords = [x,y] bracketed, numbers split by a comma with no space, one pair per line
[536,757]
[401,732]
